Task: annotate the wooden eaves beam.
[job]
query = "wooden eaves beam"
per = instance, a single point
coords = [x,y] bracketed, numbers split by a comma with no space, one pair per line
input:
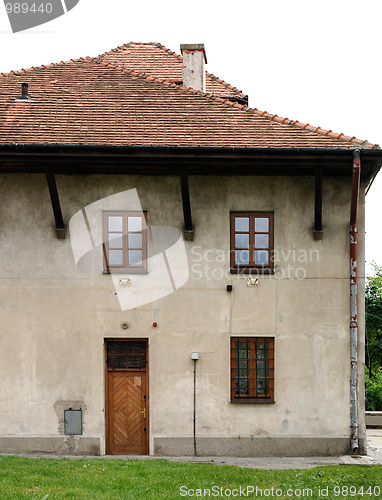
[317,231]
[51,180]
[188,227]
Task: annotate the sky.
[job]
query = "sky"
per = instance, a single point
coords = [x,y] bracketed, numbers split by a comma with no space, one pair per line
[316,62]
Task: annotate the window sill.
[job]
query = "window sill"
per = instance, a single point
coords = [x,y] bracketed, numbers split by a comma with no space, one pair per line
[252,401]
[251,270]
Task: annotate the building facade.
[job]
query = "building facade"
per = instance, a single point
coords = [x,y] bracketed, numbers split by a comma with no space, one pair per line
[175,269]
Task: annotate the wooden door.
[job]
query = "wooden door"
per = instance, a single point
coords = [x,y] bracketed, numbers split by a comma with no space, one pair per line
[126,398]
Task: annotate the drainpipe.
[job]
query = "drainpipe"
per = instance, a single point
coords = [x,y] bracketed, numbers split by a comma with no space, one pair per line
[354,302]
[194,419]
[194,357]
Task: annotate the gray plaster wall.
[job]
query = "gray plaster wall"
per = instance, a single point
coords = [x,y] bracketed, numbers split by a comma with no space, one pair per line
[55,315]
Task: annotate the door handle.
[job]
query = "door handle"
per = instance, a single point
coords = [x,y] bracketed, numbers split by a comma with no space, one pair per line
[144,412]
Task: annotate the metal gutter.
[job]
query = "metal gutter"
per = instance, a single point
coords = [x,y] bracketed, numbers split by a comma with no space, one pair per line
[354,302]
[201,150]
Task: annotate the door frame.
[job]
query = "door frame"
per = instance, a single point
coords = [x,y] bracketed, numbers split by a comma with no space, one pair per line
[124,339]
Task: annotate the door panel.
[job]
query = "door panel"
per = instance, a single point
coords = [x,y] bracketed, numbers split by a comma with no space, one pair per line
[127,404]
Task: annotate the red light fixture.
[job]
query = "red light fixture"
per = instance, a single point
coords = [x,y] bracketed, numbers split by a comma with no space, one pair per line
[155,324]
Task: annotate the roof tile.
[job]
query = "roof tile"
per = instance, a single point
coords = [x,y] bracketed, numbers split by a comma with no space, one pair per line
[96,101]
[156,59]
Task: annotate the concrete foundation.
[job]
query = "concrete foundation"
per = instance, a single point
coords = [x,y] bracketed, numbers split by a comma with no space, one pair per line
[252,446]
[69,445]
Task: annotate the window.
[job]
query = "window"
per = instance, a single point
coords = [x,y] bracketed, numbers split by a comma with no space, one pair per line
[251,242]
[125,241]
[126,355]
[252,370]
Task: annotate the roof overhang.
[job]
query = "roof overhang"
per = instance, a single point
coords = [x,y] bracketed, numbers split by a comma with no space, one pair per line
[165,160]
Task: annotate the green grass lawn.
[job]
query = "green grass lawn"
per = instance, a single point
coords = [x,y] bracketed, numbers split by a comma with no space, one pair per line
[145,479]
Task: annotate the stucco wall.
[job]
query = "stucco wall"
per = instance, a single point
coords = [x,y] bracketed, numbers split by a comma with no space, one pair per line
[55,315]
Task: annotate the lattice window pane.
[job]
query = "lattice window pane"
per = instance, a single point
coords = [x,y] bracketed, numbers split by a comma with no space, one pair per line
[117,355]
[137,355]
[122,355]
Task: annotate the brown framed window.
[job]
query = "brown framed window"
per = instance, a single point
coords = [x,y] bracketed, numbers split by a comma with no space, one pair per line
[252,370]
[251,242]
[125,241]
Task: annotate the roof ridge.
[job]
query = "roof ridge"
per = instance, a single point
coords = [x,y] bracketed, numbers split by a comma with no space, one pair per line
[169,51]
[311,128]
[175,55]
[220,80]
[222,100]
[154,44]
[46,66]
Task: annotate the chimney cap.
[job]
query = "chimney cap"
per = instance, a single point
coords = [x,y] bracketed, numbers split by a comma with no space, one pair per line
[194,47]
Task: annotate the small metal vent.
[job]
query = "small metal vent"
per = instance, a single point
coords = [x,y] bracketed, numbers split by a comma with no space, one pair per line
[24,91]
[126,355]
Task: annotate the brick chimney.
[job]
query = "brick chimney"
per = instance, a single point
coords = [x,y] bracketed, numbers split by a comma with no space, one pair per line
[194,58]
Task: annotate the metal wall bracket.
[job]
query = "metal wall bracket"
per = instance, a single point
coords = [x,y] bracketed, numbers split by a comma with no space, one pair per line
[317,231]
[60,226]
[188,228]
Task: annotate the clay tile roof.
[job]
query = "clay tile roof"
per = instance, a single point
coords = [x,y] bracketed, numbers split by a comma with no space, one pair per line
[157,60]
[96,101]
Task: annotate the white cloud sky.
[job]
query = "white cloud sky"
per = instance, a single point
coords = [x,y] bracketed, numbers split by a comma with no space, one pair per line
[317,62]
